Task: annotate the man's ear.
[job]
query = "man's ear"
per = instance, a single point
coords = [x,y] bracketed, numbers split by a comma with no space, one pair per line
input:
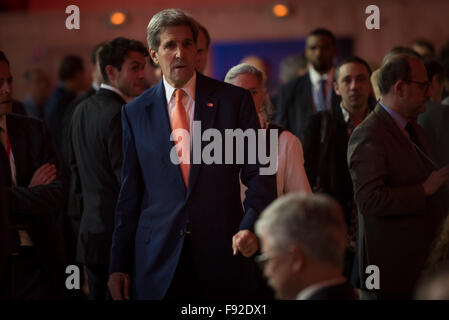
[111,71]
[153,56]
[298,258]
[399,88]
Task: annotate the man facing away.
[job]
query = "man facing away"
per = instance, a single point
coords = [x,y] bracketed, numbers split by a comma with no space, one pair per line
[97,152]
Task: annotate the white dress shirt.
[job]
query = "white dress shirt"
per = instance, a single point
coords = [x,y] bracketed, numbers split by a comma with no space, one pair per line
[290,174]
[121,94]
[315,78]
[188,100]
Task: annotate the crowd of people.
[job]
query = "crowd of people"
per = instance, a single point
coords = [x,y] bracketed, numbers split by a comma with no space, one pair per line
[87,175]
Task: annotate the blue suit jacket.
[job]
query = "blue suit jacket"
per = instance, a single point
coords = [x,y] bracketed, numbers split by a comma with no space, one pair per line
[154,206]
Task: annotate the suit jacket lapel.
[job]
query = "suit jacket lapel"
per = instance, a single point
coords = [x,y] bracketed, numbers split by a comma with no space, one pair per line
[393,128]
[160,126]
[206,105]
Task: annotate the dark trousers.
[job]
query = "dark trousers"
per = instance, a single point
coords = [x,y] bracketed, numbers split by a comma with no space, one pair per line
[28,279]
[97,280]
[185,284]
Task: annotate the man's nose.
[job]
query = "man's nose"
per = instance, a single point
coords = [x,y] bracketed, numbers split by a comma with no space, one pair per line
[6,87]
[179,52]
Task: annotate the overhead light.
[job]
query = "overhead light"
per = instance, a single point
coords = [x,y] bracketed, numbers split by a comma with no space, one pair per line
[280,10]
[117,18]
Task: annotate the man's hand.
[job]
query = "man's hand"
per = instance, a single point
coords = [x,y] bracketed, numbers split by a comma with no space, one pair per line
[246,242]
[119,284]
[44,175]
[435,180]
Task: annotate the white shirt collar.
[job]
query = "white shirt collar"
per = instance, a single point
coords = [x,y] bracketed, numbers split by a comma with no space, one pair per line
[311,290]
[189,88]
[315,76]
[108,87]
[345,112]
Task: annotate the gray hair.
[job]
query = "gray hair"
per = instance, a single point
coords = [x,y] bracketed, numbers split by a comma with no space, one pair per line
[245,68]
[314,222]
[168,18]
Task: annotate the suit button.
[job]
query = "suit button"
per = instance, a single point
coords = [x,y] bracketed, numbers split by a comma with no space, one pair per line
[181,233]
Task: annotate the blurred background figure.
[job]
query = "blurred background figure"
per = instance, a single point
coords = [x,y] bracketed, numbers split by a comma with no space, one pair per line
[434,285]
[38,92]
[293,66]
[72,82]
[290,176]
[435,120]
[202,46]
[306,95]
[259,63]
[424,47]
[303,239]
[444,58]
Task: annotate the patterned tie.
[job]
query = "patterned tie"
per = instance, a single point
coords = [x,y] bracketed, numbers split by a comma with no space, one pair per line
[180,121]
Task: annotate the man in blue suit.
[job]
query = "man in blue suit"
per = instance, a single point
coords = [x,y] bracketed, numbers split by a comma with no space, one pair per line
[180,230]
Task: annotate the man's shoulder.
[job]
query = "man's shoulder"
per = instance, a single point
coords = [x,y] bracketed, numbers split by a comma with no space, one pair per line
[296,83]
[148,97]
[32,126]
[25,120]
[213,85]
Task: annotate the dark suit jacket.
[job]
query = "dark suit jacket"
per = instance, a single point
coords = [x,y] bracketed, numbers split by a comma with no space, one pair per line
[335,178]
[4,224]
[97,153]
[75,197]
[397,222]
[55,116]
[295,105]
[36,208]
[435,121]
[343,291]
[154,206]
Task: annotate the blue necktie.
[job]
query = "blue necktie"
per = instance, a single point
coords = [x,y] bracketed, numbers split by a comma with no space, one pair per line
[322,96]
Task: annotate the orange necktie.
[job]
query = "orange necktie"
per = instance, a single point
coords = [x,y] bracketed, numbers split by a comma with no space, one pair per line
[180,122]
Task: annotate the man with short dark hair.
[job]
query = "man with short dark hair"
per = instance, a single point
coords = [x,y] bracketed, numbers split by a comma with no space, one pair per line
[312,92]
[397,184]
[303,242]
[326,141]
[72,82]
[96,151]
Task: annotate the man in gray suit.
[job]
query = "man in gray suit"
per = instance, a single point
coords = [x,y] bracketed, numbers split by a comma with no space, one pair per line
[397,185]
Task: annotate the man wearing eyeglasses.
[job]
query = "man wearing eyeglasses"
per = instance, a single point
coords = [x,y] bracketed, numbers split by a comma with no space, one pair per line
[398,185]
[303,241]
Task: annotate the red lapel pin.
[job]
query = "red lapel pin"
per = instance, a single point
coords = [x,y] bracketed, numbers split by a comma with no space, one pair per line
[210,104]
